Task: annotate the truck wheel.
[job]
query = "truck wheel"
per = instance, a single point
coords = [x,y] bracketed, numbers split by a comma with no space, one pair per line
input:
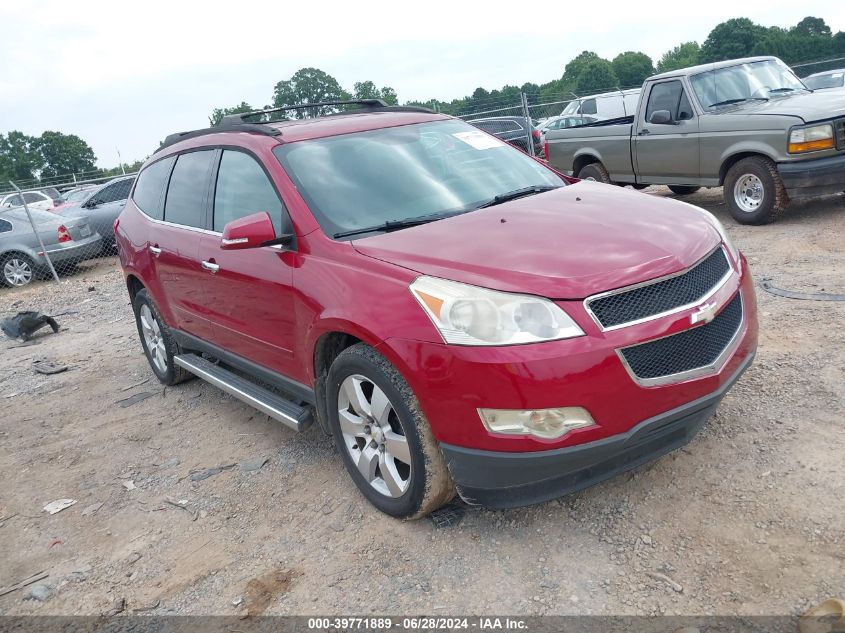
[383,437]
[683,190]
[157,341]
[640,186]
[596,172]
[754,192]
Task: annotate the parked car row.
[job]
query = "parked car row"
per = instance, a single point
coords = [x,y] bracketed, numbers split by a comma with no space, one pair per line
[78,227]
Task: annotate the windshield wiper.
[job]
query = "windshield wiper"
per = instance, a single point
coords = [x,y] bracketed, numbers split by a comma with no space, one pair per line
[393,225]
[730,101]
[774,90]
[517,193]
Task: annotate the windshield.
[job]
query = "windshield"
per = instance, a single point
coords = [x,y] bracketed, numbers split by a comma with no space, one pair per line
[365,179]
[753,80]
[820,82]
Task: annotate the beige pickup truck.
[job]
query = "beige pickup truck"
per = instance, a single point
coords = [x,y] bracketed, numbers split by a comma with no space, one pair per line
[748,125]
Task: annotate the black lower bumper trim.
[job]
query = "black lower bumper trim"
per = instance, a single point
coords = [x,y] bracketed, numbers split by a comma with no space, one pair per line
[813,177]
[509,480]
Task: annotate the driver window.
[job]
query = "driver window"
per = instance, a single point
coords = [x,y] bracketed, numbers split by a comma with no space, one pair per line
[670,96]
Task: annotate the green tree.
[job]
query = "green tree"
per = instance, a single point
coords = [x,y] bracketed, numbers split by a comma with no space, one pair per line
[735,38]
[682,56]
[218,113]
[368,90]
[596,76]
[575,67]
[19,158]
[632,68]
[308,85]
[64,154]
[810,26]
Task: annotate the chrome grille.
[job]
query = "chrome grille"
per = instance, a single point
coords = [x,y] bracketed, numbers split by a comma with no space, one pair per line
[690,350]
[621,307]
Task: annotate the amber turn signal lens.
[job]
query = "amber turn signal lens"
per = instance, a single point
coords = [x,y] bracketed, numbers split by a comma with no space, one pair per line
[811,146]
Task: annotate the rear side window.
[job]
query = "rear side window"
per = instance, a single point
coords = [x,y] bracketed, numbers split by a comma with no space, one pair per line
[31,198]
[115,191]
[13,201]
[5,227]
[186,193]
[588,107]
[243,189]
[149,192]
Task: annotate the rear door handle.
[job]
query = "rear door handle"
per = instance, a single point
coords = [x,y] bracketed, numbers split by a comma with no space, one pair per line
[155,250]
[211,266]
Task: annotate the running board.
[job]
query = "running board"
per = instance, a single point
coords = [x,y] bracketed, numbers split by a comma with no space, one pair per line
[277,407]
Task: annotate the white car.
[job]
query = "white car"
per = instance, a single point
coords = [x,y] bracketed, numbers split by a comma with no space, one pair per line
[561,122]
[608,105]
[826,79]
[33,199]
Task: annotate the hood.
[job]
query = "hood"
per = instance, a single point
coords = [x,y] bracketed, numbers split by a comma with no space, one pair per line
[568,243]
[808,106]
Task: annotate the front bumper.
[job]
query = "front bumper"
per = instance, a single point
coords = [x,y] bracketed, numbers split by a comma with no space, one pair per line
[816,177]
[508,480]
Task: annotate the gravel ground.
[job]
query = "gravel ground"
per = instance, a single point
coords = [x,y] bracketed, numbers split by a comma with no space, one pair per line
[747,519]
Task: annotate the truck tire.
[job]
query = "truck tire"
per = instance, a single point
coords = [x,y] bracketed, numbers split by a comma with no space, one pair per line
[383,436]
[596,172]
[683,190]
[754,192]
[159,345]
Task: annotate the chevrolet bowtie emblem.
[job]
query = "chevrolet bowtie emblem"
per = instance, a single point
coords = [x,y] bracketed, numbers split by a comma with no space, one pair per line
[705,314]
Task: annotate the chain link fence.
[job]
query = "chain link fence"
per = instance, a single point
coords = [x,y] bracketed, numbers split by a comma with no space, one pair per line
[53,231]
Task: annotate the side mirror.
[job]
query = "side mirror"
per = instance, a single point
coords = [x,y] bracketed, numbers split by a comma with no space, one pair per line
[251,231]
[661,117]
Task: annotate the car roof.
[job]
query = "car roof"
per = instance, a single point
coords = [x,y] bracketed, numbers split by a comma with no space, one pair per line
[826,72]
[701,68]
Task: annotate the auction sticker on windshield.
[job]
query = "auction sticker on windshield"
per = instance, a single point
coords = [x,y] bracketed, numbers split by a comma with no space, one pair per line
[478,140]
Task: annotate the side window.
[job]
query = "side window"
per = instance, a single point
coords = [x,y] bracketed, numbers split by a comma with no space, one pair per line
[32,197]
[149,192]
[588,107]
[13,201]
[5,226]
[670,96]
[188,185]
[115,191]
[243,189]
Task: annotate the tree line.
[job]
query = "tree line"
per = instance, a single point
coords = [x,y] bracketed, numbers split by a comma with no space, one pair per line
[53,154]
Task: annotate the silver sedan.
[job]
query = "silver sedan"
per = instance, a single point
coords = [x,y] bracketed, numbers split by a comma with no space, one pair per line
[66,240]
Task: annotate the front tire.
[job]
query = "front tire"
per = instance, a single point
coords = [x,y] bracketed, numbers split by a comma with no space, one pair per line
[157,340]
[683,190]
[383,437]
[754,192]
[596,172]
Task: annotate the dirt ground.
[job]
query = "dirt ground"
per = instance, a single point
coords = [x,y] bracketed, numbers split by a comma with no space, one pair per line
[747,519]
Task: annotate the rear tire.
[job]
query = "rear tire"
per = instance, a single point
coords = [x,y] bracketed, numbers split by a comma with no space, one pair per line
[754,192]
[384,438]
[640,186]
[16,269]
[683,190]
[596,172]
[157,340]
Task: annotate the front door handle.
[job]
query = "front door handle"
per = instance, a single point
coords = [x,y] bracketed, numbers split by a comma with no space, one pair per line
[155,250]
[210,265]
[644,132]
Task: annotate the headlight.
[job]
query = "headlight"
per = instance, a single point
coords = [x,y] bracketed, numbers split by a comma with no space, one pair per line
[469,315]
[811,139]
[545,423]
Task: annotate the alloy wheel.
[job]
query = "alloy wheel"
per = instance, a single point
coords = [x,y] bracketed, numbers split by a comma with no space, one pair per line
[153,339]
[373,436]
[17,272]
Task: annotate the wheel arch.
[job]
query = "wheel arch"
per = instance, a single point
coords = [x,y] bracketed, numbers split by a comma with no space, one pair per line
[134,285]
[734,158]
[582,160]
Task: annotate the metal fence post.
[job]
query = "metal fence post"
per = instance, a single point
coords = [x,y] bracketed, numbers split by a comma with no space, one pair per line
[528,130]
[37,234]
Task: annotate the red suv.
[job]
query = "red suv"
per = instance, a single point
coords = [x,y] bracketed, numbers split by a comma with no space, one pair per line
[459,316]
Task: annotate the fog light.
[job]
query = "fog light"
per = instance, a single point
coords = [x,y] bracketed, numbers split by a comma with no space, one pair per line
[545,423]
